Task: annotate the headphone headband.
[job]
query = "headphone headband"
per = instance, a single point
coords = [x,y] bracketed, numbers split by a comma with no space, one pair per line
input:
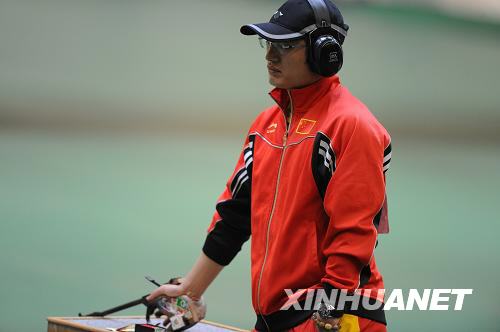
[313,27]
[321,13]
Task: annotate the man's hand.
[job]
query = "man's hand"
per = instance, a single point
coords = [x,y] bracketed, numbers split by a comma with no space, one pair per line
[326,324]
[170,290]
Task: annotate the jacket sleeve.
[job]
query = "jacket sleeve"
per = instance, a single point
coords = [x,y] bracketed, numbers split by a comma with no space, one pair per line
[353,199]
[230,226]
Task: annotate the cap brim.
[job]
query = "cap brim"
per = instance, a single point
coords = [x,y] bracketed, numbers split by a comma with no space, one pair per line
[270,31]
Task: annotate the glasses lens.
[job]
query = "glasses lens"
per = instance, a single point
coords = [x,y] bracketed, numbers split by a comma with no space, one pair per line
[263,43]
[289,45]
[280,47]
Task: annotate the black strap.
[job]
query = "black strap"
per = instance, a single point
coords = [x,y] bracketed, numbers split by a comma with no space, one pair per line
[321,13]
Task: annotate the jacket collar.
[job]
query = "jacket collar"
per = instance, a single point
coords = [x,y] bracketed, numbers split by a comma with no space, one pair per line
[303,98]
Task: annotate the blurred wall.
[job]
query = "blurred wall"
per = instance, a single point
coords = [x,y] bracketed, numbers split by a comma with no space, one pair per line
[488,10]
[152,65]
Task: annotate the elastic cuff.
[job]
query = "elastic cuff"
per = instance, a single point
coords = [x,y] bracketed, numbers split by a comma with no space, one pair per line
[336,313]
[329,289]
[375,311]
[217,252]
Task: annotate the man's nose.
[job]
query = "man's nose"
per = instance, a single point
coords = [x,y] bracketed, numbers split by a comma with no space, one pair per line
[272,54]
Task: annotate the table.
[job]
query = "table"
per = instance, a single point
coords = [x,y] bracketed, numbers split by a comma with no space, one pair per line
[100,324]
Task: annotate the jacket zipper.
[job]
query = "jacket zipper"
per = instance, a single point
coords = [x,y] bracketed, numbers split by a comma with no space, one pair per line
[285,138]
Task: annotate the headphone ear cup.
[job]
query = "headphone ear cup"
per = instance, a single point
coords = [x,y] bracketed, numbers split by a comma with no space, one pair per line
[327,56]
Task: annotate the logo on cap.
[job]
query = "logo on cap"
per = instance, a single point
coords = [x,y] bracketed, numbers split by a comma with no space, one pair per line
[277,15]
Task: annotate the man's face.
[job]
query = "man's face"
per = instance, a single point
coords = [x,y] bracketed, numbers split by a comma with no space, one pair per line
[287,67]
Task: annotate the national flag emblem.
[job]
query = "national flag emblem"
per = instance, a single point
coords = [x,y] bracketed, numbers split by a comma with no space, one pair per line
[305,126]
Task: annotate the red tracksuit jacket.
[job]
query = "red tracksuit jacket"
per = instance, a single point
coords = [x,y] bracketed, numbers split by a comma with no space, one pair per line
[311,196]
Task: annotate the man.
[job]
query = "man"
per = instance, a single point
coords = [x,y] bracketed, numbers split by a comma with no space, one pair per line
[309,186]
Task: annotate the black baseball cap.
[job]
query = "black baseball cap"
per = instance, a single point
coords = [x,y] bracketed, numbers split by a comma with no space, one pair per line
[295,19]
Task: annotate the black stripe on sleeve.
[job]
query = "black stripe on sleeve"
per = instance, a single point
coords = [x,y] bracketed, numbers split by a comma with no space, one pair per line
[323,162]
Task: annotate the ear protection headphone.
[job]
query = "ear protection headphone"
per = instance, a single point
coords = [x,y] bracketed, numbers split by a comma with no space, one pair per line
[325,55]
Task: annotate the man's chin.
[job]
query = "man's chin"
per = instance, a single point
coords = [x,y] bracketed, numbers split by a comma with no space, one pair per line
[276,83]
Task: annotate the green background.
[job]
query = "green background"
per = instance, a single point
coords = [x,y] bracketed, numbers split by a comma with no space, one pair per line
[120,122]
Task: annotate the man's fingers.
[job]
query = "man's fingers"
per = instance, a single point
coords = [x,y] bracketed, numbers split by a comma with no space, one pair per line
[154,294]
[165,290]
[328,324]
